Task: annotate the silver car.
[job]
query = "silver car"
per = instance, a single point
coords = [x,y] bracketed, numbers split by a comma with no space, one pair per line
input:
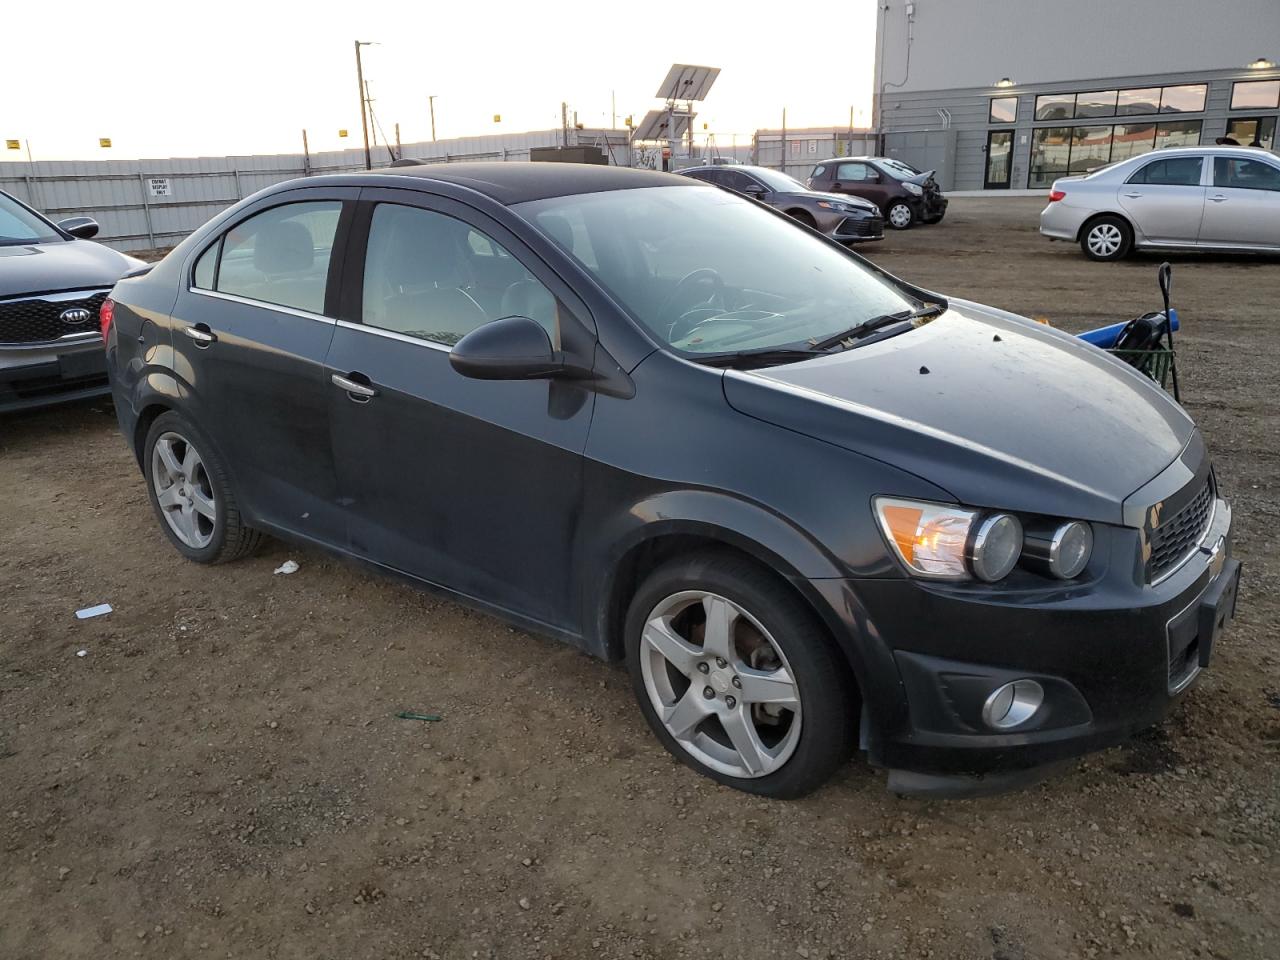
[1197,198]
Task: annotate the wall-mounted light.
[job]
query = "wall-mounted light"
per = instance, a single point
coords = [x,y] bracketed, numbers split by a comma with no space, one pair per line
[1004,82]
[1262,63]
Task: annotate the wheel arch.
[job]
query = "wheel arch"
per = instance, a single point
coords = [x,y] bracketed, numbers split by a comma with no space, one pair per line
[1095,217]
[801,214]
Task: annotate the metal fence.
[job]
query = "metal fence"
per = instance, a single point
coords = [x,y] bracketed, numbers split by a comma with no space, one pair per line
[148,204]
[805,147]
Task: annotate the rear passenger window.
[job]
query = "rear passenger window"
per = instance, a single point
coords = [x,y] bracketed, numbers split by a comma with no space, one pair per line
[431,276]
[1245,174]
[1171,171]
[281,255]
[206,267]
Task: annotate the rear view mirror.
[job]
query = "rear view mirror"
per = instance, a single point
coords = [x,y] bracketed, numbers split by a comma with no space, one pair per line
[513,348]
[82,228]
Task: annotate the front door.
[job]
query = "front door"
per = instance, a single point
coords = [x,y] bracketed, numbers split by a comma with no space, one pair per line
[999,159]
[1165,198]
[252,326]
[1243,205]
[861,180]
[475,485]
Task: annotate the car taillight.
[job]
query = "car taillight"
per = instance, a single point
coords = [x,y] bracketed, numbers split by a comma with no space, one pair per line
[1056,195]
[105,314]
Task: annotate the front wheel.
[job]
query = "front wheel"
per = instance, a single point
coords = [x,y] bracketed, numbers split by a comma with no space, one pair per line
[936,218]
[1107,238]
[737,678]
[899,215]
[191,493]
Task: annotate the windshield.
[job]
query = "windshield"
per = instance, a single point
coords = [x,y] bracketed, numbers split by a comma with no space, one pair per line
[781,182]
[20,225]
[709,272]
[903,171]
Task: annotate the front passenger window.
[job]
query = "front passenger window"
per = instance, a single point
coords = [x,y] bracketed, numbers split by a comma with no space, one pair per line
[281,255]
[431,276]
[1170,171]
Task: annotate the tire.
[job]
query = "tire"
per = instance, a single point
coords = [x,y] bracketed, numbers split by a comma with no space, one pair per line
[802,216]
[899,215]
[199,513]
[774,638]
[934,219]
[1106,238]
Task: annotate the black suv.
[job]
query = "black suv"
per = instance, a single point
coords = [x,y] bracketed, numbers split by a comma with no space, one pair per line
[52,284]
[906,195]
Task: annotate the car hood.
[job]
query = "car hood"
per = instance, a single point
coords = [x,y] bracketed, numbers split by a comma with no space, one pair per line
[59,265]
[998,410]
[834,198]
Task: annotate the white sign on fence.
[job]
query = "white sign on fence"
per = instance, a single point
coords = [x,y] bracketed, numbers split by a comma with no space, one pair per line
[159,187]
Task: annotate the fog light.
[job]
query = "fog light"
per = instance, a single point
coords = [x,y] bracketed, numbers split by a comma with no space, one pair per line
[1012,704]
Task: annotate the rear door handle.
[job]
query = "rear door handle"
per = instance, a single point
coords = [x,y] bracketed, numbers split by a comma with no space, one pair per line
[1218,199]
[357,391]
[201,334]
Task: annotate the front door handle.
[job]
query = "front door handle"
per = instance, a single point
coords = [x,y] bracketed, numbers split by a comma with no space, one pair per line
[201,334]
[357,391]
[1218,199]
[1133,196]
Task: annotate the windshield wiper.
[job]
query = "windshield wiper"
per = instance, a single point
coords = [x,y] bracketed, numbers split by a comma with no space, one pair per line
[848,337]
[758,358]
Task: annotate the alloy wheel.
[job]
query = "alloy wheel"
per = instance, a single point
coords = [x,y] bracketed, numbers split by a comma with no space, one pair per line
[183,490]
[1105,239]
[720,684]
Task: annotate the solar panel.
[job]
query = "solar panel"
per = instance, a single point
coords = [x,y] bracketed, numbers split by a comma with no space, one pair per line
[687,82]
[660,125]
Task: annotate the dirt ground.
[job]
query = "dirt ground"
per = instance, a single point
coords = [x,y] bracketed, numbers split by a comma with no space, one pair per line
[222,774]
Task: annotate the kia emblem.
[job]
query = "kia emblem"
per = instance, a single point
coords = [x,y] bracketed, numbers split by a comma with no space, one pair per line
[75,315]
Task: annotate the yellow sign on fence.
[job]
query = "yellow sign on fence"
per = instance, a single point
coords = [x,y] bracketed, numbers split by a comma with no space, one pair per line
[104,141]
[13,144]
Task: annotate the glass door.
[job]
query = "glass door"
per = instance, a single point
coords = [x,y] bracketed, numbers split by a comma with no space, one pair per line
[999,155]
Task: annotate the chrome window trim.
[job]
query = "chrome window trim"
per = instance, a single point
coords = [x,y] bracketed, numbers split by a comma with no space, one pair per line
[235,298]
[392,335]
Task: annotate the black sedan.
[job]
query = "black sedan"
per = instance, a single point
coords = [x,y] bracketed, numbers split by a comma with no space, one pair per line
[52,283]
[812,506]
[842,218]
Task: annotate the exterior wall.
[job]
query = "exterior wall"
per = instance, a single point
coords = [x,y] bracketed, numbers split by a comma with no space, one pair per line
[957,44]
[963,113]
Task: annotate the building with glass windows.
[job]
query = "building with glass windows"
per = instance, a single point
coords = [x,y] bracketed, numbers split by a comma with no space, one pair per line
[1000,94]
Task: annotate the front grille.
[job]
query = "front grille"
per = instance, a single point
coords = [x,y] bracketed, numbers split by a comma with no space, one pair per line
[40,321]
[853,227]
[1178,535]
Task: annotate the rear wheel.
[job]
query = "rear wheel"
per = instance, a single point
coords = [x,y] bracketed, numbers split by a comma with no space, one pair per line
[1106,238]
[191,494]
[899,215]
[737,678]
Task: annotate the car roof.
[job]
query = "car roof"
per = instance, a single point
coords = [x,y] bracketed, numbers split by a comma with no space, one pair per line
[1208,148]
[511,182]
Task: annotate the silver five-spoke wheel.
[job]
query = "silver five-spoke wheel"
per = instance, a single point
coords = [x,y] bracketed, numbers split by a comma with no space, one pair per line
[720,684]
[183,490]
[1105,239]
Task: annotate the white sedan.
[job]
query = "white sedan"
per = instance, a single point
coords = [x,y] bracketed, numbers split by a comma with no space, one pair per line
[1196,198]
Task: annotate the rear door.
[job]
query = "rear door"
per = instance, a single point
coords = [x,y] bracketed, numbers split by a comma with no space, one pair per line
[252,325]
[1165,198]
[471,484]
[1243,203]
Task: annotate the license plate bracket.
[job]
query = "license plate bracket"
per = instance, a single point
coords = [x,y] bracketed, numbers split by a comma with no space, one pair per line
[82,364]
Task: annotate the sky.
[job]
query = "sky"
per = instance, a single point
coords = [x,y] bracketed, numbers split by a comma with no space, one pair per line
[234,77]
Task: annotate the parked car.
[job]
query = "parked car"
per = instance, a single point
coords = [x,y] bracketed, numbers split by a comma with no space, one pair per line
[811,505]
[906,195]
[846,219]
[52,283]
[1200,198]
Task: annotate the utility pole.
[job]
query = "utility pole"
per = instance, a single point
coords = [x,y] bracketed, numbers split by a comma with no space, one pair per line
[364,115]
[431,104]
[564,124]
[783,166]
[613,105]
[398,154]
[306,155]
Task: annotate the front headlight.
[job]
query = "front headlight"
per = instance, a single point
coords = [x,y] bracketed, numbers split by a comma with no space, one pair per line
[1061,550]
[913,188]
[945,542]
[828,205]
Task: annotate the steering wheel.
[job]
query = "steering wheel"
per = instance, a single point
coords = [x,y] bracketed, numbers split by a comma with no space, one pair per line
[680,297]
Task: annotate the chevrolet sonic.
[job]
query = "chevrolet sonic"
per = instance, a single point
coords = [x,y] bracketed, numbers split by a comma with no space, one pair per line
[814,508]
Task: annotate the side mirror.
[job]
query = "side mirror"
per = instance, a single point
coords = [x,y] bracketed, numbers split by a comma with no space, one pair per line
[83,228]
[754,190]
[513,348]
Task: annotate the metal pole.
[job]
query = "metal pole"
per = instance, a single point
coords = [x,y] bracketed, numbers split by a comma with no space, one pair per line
[564,124]
[783,166]
[398,153]
[613,105]
[306,155]
[431,103]
[146,210]
[364,117]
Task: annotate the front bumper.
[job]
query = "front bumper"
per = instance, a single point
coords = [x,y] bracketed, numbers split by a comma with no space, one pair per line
[41,374]
[852,226]
[929,205]
[1111,658]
